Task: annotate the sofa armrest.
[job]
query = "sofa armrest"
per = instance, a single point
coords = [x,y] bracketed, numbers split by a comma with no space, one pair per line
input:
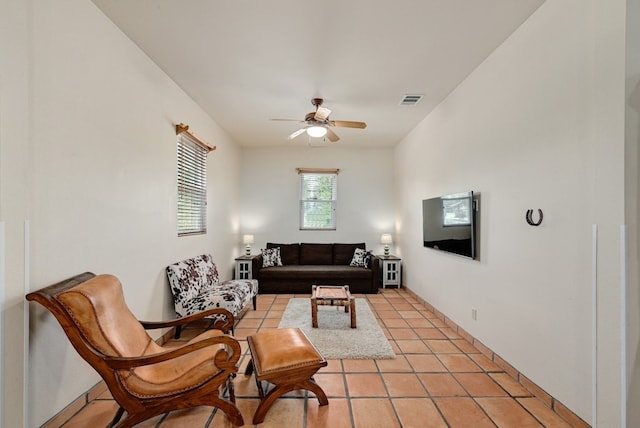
[375,267]
[256,265]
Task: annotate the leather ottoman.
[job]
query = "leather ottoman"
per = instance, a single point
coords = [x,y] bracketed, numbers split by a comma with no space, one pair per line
[286,358]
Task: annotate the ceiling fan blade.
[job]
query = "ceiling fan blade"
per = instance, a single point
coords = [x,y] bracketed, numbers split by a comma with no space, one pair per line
[296,133]
[332,136]
[322,113]
[288,120]
[347,124]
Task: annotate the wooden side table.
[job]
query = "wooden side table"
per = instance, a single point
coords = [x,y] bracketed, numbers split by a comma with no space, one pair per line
[391,271]
[332,295]
[243,267]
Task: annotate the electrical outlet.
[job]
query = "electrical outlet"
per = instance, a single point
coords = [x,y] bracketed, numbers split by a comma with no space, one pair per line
[474,314]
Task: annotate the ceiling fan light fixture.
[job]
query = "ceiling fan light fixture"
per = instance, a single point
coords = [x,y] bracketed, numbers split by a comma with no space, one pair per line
[317,131]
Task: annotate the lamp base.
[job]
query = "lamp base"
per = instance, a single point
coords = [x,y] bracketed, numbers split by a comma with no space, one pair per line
[386,250]
[247,250]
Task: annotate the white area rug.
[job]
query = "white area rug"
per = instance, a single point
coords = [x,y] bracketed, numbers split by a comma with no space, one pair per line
[334,337]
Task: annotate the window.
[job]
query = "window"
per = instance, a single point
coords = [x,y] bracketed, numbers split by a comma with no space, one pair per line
[192,183]
[318,195]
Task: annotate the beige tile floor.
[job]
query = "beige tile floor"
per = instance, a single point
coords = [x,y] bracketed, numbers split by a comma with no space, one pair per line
[438,379]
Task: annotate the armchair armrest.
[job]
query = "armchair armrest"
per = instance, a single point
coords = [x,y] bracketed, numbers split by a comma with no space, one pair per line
[225,325]
[226,358]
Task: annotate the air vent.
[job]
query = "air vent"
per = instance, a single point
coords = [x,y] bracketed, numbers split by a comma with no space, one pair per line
[410,100]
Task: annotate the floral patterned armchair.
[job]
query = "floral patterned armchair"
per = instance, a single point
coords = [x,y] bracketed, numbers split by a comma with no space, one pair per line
[196,287]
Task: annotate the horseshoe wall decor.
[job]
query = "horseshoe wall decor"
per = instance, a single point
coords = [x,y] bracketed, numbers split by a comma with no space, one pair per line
[529,217]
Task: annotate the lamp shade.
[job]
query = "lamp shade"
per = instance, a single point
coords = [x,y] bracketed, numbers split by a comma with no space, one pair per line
[247,239]
[316,131]
[386,239]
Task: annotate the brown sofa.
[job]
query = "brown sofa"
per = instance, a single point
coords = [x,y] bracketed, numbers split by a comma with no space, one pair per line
[304,265]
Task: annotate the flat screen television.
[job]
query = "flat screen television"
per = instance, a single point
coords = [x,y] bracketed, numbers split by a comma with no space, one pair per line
[448,224]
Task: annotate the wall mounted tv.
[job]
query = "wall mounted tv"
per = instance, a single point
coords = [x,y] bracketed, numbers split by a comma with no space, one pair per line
[448,224]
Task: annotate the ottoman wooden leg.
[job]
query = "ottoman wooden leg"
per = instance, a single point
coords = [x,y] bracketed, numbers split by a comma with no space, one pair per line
[280,390]
[286,359]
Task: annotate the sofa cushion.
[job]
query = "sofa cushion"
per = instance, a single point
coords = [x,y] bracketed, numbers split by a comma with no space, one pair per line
[271,257]
[289,253]
[188,277]
[315,273]
[343,253]
[361,258]
[316,254]
[232,295]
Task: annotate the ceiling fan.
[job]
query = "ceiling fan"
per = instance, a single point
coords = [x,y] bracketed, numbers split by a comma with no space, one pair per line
[318,124]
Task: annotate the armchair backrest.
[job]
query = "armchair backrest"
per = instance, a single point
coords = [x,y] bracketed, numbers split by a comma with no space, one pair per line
[99,311]
[95,317]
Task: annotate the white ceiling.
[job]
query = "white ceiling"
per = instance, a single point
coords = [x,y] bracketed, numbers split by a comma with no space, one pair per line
[248,61]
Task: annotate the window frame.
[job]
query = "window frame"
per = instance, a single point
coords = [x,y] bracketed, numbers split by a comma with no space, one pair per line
[306,178]
[191,179]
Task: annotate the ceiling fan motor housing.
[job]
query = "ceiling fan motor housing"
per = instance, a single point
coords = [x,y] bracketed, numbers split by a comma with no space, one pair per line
[318,124]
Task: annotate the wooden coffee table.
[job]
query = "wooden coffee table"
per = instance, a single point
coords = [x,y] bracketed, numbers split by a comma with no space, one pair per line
[332,295]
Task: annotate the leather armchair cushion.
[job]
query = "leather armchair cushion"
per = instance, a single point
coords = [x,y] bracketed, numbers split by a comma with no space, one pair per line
[174,376]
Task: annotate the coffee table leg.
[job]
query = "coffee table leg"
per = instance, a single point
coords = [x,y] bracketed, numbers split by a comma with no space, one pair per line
[352,305]
[314,313]
[346,303]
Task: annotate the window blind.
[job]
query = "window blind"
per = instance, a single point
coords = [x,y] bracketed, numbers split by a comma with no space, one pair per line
[192,186]
[318,197]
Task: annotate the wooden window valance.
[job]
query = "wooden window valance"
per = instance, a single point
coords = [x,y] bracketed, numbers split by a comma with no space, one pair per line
[318,170]
[182,128]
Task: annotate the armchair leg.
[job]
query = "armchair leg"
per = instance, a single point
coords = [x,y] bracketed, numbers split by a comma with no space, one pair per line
[249,369]
[231,388]
[178,332]
[116,418]
[254,302]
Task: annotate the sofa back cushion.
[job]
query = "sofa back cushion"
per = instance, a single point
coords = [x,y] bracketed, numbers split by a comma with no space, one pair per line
[316,254]
[343,253]
[188,278]
[289,253]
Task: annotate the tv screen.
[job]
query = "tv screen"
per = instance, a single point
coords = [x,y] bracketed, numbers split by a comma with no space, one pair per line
[448,224]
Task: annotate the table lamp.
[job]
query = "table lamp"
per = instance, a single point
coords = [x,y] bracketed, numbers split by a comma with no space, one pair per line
[386,240]
[247,240]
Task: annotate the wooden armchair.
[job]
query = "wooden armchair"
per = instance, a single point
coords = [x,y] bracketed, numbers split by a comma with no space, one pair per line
[144,378]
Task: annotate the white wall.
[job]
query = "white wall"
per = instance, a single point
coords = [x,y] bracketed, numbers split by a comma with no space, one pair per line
[99,154]
[270,194]
[538,125]
[14,132]
[632,185]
